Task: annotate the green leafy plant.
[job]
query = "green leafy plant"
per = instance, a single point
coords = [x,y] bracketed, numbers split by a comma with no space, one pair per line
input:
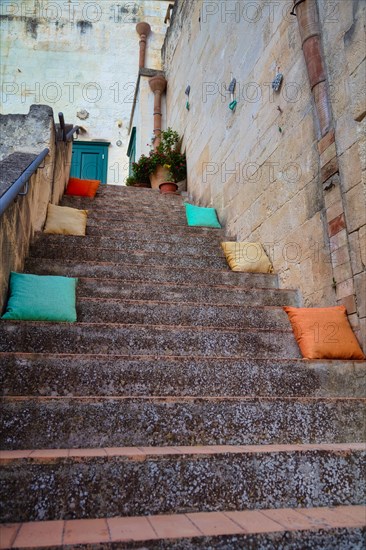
[167,154]
[131,180]
[141,170]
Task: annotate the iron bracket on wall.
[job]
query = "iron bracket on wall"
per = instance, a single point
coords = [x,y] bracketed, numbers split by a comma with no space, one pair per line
[296,3]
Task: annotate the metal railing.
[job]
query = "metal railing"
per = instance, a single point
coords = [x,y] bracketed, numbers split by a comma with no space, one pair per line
[66,136]
[15,189]
[72,132]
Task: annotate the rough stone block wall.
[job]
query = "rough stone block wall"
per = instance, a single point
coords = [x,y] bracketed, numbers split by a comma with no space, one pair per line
[344,48]
[30,133]
[260,166]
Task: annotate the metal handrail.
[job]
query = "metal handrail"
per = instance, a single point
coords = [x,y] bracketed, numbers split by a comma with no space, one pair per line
[72,131]
[66,136]
[62,125]
[14,190]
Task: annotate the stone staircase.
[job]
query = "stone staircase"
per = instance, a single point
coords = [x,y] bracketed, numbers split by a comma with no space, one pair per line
[177,412]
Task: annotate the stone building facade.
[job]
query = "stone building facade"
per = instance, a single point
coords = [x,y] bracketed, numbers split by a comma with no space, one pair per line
[273,173]
[80,58]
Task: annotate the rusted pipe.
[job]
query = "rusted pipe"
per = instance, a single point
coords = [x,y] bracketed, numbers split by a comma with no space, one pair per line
[158,86]
[143,30]
[310,32]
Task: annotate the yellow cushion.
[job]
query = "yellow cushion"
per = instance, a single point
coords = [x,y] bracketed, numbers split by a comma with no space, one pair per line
[247,257]
[62,220]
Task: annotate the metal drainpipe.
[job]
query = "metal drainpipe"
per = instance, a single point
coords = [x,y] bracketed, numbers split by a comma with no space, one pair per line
[157,85]
[310,32]
[144,30]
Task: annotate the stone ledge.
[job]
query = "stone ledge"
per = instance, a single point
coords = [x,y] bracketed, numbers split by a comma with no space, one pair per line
[12,167]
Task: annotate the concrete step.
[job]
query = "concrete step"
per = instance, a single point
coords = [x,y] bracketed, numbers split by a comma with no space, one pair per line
[141,193]
[168,222]
[65,422]
[76,483]
[83,375]
[156,258]
[107,310]
[186,294]
[124,203]
[151,275]
[203,237]
[263,295]
[169,217]
[153,230]
[178,248]
[95,338]
[326,528]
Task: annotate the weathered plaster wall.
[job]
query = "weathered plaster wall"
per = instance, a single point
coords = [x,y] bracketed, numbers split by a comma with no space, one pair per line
[28,213]
[260,166]
[77,56]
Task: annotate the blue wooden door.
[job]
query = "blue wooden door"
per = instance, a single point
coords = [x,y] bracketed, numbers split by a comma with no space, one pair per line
[90,160]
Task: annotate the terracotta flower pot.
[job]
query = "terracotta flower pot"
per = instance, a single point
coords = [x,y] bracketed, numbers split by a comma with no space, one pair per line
[160,175]
[168,187]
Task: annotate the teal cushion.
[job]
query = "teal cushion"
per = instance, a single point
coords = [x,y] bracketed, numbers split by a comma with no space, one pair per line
[197,216]
[41,298]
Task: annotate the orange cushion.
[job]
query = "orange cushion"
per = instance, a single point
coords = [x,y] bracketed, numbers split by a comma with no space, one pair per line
[82,188]
[324,333]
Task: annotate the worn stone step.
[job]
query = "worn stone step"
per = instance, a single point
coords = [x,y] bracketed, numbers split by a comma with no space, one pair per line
[147,194]
[109,310]
[185,293]
[145,233]
[326,528]
[75,483]
[169,217]
[149,230]
[83,375]
[153,275]
[65,422]
[135,193]
[123,203]
[43,337]
[130,257]
[180,247]
[123,219]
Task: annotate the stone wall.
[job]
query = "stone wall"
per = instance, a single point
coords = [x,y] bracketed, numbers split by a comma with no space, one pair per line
[79,58]
[260,165]
[344,48]
[27,213]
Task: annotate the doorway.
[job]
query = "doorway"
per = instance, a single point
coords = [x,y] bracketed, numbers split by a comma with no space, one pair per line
[90,160]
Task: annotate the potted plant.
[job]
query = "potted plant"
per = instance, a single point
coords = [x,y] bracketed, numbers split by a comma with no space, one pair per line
[168,186]
[140,173]
[166,163]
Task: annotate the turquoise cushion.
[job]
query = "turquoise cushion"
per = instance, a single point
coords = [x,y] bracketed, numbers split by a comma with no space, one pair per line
[41,298]
[197,216]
